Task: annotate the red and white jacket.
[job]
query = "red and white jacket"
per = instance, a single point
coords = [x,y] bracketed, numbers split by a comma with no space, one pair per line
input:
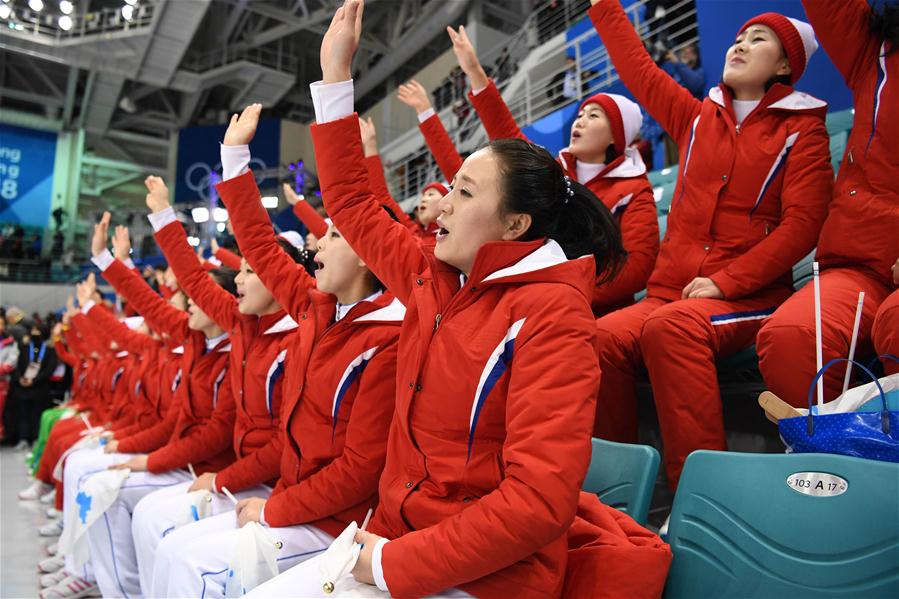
[862,226]
[622,186]
[485,460]
[341,377]
[258,353]
[751,198]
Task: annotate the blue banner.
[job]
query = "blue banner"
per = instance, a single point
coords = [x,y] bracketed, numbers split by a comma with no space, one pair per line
[26,175]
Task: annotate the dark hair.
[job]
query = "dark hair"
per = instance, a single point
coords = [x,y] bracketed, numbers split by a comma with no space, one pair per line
[782,79]
[293,251]
[533,183]
[224,277]
[884,24]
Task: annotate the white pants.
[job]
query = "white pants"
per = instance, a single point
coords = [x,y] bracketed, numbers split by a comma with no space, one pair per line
[112,547]
[194,559]
[155,519]
[78,466]
[304,580]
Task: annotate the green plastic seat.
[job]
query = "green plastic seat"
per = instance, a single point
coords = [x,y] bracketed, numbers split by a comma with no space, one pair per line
[623,476]
[739,529]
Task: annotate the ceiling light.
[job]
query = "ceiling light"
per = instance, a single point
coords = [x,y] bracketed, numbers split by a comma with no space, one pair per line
[220,227]
[270,202]
[219,215]
[5,11]
[128,12]
[66,7]
[65,22]
[36,5]
[200,215]
[131,2]
[193,241]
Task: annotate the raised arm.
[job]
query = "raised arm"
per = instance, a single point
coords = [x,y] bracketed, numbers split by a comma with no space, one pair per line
[388,248]
[220,305]
[668,102]
[306,213]
[414,95]
[842,28]
[228,258]
[376,181]
[118,331]
[806,188]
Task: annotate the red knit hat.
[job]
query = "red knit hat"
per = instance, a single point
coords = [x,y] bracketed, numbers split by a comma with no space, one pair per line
[624,117]
[797,38]
[436,185]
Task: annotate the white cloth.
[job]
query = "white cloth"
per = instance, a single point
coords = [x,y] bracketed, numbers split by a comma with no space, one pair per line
[235,160]
[96,494]
[162,218]
[425,114]
[332,101]
[742,108]
[856,397]
[586,171]
[112,547]
[159,515]
[253,560]
[377,570]
[104,260]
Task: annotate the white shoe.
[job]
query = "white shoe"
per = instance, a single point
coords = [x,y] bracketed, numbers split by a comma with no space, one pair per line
[51,529]
[34,491]
[72,587]
[49,497]
[53,579]
[51,564]
[52,548]
[53,513]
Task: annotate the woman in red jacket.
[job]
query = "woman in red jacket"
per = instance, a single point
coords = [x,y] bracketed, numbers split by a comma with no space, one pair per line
[496,367]
[599,156]
[198,432]
[859,244]
[334,422]
[752,193]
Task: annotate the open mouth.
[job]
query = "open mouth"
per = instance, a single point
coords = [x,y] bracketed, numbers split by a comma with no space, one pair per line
[319,265]
[240,294]
[737,60]
[441,231]
[575,134]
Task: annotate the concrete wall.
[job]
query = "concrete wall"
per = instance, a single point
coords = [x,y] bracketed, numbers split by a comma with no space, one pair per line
[35,297]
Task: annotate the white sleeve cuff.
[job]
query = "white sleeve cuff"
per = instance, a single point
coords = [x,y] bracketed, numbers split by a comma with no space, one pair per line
[235,160]
[475,92]
[163,218]
[262,517]
[332,101]
[423,116]
[87,307]
[214,488]
[377,571]
[130,263]
[104,260]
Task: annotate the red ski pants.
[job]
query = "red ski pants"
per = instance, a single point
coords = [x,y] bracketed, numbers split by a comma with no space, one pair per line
[678,343]
[886,332]
[786,342]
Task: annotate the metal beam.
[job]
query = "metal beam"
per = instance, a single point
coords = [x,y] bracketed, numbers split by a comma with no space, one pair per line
[71,92]
[291,24]
[137,138]
[32,97]
[130,167]
[85,99]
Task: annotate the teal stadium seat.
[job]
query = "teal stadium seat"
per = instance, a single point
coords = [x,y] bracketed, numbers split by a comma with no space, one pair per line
[738,529]
[623,476]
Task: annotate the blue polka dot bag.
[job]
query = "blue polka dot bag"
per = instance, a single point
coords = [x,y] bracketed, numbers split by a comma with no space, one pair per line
[865,434]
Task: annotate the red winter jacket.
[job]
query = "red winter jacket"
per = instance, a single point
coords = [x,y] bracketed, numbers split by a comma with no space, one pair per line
[624,189]
[258,353]
[342,379]
[310,218]
[862,226]
[442,147]
[496,380]
[227,258]
[750,199]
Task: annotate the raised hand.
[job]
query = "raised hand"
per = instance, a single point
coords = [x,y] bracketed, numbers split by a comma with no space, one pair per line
[101,231]
[83,292]
[340,42]
[57,330]
[468,59]
[369,136]
[290,195]
[412,94]
[157,194]
[121,243]
[242,128]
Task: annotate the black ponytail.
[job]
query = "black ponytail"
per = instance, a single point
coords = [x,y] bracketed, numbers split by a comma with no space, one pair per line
[533,183]
[884,24]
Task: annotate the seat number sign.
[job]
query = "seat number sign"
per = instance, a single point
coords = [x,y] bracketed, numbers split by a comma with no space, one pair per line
[817,484]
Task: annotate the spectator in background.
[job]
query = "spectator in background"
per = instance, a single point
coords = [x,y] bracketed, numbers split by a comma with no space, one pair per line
[686,68]
[9,359]
[30,394]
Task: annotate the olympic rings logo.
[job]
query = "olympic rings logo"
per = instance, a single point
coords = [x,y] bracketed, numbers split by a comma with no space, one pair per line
[199,176]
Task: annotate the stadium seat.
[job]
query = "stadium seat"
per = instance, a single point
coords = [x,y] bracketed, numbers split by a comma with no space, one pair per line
[738,529]
[623,476]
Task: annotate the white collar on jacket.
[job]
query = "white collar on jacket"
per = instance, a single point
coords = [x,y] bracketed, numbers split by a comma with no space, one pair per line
[794,101]
[285,324]
[394,311]
[632,166]
[547,255]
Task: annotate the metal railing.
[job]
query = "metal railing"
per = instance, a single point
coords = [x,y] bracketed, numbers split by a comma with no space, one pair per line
[85,26]
[541,94]
[272,58]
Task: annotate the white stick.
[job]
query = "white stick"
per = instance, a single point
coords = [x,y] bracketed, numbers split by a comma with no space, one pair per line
[858,320]
[229,495]
[84,419]
[190,468]
[818,349]
[367,518]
